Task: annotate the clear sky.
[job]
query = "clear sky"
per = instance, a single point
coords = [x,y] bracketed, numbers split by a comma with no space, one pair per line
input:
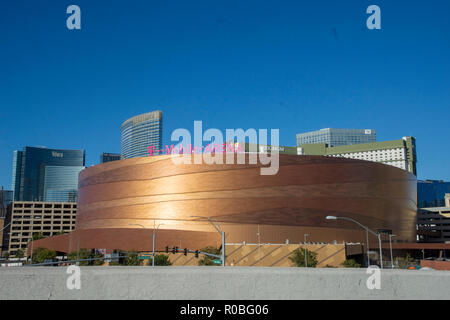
[292,65]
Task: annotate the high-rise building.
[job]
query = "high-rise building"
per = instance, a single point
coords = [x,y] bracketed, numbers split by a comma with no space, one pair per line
[5,200]
[141,133]
[398,153]
[337,137]
[431,193]
[6,196]
[41,174]
[108,157]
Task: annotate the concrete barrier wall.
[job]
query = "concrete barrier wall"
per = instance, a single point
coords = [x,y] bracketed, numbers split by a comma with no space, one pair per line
[220,283]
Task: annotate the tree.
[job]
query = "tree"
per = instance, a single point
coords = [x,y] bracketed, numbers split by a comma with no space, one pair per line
[20,253]
[351,263]
[404,262]
[132,259]
[80,255]
[207,260]
[38,236]
[114,263]
[5,255]
[298,257]
[127,258]
[161,260]
[42,254]
[98,262]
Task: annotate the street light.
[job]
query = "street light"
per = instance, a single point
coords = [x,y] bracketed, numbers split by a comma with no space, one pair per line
[154,237]
[219,230]
[390,246]
[367,239]
[306,258]
[367,230]
[32,247]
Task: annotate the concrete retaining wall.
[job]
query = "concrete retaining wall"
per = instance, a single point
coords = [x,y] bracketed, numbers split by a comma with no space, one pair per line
[220,283]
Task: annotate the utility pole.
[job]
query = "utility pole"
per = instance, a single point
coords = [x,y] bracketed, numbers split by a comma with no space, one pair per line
[306,254]
[78,250]
[364,227]
[219,230]
[367,248]
[390,246]
[259,244]
[154,237]
[32,245]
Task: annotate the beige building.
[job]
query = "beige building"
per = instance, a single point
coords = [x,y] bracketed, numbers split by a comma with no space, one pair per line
[29,217]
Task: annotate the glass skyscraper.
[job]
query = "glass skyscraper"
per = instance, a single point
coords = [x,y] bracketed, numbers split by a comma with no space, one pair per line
[41,174]
[61,183]
[141,133]
[108,157]
[431,193]
[6,196]
[337,137]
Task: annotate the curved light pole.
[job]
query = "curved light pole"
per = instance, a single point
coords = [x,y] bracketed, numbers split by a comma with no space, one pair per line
[219,230]
[154,237]
[390,247]
[367,230]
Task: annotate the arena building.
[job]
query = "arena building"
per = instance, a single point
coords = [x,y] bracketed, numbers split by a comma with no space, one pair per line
[120,202]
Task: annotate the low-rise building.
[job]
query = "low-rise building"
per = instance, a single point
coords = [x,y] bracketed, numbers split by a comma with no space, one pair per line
[29,217]
[433,224]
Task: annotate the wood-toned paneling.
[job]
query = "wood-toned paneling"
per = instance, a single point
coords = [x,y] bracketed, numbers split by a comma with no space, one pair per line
[115,195]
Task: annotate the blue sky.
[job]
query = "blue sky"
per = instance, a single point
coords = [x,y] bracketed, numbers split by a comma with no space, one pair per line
[292,65]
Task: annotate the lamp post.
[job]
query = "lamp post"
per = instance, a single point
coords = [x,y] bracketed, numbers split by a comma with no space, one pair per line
[390,247]
[32,247]
[306,256]
[78,250]
[367,230]
[259,244]
[219,230]
[154,237]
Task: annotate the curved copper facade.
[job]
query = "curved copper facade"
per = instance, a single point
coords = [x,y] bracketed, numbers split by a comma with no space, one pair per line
[154,190]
